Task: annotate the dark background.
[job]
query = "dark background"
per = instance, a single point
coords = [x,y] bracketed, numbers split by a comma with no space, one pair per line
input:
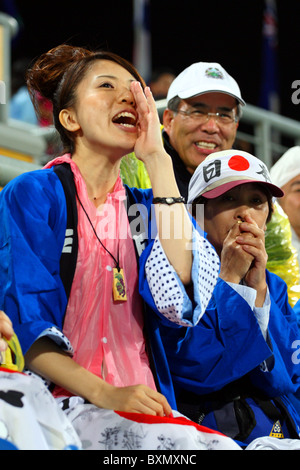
[183,32]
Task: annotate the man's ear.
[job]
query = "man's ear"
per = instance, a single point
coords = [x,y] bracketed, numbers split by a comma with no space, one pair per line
[168,117]
[67,118]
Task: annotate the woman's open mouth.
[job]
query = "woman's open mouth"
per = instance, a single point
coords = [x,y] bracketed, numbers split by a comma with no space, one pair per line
[126,119]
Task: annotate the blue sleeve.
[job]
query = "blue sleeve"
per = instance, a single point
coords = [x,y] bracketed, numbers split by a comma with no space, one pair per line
[284,377]
[174,301]
[161,287]
[33,223]
[228,344]
[297,312]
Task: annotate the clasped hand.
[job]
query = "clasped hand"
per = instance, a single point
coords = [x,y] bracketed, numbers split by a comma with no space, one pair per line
[244,255]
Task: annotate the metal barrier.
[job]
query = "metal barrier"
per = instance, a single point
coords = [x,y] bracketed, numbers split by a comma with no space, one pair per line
[8,28]
[266,131]
[10,170]
[18,140]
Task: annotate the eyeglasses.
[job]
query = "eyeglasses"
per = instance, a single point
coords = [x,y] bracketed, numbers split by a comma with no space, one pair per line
[223,117]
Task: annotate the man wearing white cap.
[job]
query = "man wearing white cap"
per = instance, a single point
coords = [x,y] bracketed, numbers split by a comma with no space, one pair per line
[286,174]
[202,116]
[228,367]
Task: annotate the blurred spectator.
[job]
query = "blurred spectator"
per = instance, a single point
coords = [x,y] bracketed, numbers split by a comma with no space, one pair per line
[20,106]
[160,82]
[286,174]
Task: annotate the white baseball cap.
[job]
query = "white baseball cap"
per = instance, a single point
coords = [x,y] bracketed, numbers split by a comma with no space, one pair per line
[204,77]
[222,171]
[287,167]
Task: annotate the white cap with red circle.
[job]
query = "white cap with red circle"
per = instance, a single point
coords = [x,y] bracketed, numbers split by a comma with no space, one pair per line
[224,170]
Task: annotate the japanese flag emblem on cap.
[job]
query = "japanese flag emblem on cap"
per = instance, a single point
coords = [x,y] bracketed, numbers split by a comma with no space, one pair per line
[222,171]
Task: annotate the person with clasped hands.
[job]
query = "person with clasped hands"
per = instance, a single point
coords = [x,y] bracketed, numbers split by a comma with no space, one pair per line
[233,369]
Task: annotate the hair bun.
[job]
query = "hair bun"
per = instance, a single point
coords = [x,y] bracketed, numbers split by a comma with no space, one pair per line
[47,72]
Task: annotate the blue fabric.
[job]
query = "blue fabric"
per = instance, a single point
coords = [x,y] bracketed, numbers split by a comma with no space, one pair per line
[33,223]
[227,344]
[261,423]
[33,220]
[6,445]
[297,311]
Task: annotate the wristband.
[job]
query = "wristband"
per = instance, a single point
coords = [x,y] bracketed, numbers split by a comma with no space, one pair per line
[168,200]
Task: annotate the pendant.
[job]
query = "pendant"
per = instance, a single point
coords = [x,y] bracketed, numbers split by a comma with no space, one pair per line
[119,289]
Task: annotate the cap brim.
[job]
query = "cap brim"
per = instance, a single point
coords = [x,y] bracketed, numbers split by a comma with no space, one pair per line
[223,188]
[193,92]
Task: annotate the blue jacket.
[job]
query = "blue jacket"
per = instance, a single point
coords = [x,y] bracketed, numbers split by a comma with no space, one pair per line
[33,217]
[227,344]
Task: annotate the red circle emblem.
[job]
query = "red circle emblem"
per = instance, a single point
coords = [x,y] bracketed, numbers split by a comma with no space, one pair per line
[238,163]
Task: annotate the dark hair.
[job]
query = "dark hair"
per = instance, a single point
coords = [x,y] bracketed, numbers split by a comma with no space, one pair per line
[203,200]
[56,75]
[173,103]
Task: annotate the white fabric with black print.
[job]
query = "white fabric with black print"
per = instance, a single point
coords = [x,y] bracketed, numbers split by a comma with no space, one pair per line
[170,295]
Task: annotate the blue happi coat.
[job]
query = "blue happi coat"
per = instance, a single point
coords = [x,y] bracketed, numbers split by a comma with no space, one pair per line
[227,344]
[33,218]
[217,347]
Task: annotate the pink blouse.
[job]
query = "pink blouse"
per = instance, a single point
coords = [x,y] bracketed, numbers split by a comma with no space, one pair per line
[106,335]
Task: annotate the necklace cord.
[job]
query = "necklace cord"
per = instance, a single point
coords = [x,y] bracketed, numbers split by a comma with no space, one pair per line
[90,222]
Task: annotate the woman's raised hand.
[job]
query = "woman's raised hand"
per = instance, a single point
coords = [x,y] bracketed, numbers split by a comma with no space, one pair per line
[149,142]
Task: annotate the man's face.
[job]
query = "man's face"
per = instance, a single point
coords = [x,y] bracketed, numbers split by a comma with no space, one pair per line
[194,139]
[290,202]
